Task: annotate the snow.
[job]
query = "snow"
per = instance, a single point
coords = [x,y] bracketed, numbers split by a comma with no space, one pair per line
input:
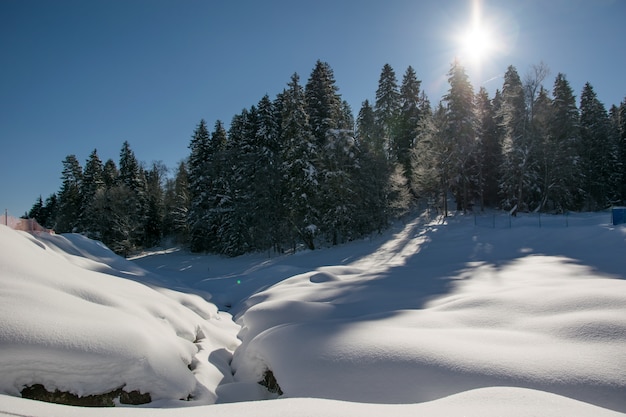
[488,316]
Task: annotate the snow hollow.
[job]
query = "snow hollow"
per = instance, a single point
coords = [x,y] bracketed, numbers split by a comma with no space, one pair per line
[468,316]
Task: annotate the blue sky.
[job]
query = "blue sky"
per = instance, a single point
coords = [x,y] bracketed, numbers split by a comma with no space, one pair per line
[78,75]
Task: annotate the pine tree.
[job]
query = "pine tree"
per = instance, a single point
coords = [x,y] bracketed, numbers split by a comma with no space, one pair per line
[323,103]
[92,181]
[618,121]
[373,178]
[300,153]
[517,167]
[176,202]
[387,110]
[408,122]
[155,209]
[460,127]
[598,153]
[432,160]
[488,152]
[199,185]
[70,197]
[564,145]
[130,221]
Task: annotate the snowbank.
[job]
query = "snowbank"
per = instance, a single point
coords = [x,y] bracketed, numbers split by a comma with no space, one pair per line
[449,310]
[71,328]
[485,402]
[437,320]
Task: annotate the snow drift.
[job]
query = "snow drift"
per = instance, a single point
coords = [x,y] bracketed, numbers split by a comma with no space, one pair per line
[436,319]
[455,309]
[70,328]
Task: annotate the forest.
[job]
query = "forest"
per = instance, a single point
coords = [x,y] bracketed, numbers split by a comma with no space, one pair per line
[299,170]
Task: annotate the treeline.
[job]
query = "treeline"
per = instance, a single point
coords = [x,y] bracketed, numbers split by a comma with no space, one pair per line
[300,169]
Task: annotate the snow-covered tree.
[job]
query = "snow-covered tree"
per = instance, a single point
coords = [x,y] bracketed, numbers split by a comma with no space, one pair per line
[70,197]
[460,127]
[387,110]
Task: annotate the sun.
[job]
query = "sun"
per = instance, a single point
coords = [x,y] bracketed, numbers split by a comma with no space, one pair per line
[477,44]
[478,41]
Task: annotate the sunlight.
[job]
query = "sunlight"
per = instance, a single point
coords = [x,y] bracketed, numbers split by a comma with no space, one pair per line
[477,44]
[478,41]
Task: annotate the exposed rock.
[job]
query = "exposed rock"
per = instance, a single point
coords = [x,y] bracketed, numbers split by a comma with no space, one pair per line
[39,392]
[269,382]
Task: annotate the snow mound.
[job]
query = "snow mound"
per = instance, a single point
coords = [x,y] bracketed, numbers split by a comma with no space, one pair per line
[484,402]
[66,325]
[459,310]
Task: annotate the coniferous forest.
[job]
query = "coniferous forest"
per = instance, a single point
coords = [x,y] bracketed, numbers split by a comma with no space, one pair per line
[300,169]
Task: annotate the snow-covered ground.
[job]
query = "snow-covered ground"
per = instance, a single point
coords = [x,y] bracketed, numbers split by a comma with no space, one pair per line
[488,316]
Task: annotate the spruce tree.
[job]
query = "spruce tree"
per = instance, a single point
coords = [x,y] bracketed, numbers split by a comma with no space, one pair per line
[132,182]
[299,155]
[408,123]
[517,165]
[598,153]
[565,193]
[323,103]
[488,152]
[70,197]
[92,182]
[387,110]
[199,184]
[460,127]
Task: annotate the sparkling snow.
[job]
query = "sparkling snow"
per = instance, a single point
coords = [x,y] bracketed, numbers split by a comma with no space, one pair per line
[486,316]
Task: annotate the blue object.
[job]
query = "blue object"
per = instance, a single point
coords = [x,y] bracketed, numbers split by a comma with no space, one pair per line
[619,215]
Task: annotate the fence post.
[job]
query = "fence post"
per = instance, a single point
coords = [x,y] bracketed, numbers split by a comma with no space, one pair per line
[6,217]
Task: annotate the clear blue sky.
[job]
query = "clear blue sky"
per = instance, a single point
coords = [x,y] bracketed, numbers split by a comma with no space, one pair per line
[85,74]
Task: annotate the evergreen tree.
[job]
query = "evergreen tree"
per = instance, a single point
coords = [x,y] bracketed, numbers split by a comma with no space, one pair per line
[300,151]
[488,152]
[70,197]
[92,181]
[373,179]
[323,103]
[460,127]
[155,209]
[564,193]
[408,123]
[517,167]
[432,160]
[110,174]
[618,122]
[387,110]
[131,218]
[199,186]
[176,202]
[36,211]
[598,153]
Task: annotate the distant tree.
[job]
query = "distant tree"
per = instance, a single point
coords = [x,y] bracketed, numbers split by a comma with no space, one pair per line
[598,152]
[93,180]
[517,170]
[387,110]
[408,122]
[565,193]
[132,177]
[323,103]
[460,127]
[36,211]
[488,151]
[70,198]
[300,151]
[176,202]
[155,207]
[432,160]
[618,124]
[199,185]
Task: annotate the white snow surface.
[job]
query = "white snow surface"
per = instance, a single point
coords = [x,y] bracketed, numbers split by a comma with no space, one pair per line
[484,317]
